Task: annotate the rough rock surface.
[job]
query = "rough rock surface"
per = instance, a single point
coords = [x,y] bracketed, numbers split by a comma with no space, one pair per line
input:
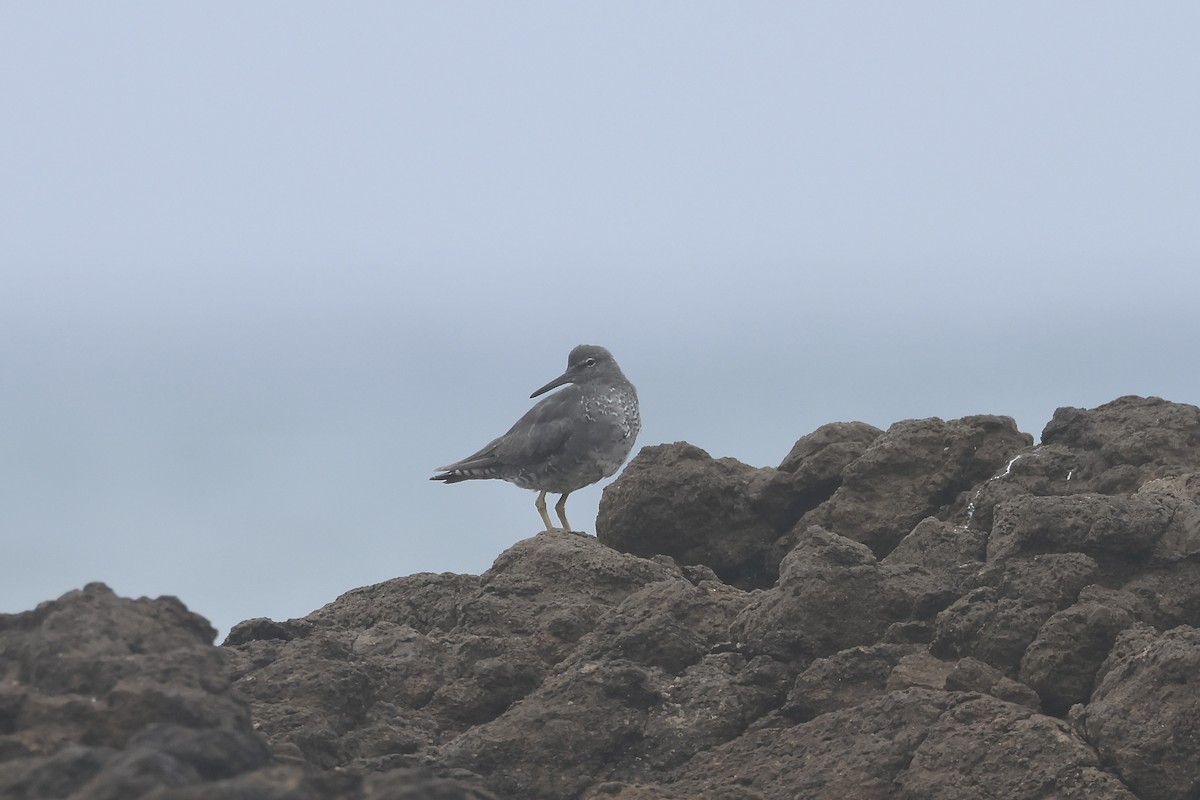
[917,469]
[940,610]
[676,500]
[104,697]
[1144,715]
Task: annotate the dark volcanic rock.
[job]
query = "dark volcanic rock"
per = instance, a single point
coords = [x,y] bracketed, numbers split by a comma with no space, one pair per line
[107,697]
[916,743]
[972,675]
[1031,632]
[822,456]
[588,720]
[952,553]
[844,680]
[832,594]
[1110,450]
[812,471]
[368,687]
[670,624]
[998,619]
[856,752]
[1181,494]
[1017,754]
[712,702]
[580,725]
[103,696]
[917,469]
[1116,531]
[1062,661]
[1172,592]
[677,500]
[1122,444]
[1144,716]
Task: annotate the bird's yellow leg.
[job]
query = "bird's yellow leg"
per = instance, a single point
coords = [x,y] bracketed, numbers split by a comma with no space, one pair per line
[540,505]
[561,508]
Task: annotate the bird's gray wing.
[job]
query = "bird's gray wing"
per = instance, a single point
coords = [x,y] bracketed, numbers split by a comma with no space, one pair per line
[535,437]
[542,432]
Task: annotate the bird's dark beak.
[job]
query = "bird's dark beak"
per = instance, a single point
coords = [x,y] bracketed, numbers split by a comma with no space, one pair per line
[566,377]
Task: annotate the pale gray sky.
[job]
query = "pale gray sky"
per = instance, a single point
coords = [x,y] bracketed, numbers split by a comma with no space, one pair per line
[266,265]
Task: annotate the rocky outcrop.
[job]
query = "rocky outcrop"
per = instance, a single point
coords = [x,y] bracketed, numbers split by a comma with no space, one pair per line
[105,697]
[940,610]
[1144,713]
[678,501]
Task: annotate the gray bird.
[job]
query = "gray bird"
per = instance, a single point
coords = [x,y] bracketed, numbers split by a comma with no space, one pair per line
[569,440]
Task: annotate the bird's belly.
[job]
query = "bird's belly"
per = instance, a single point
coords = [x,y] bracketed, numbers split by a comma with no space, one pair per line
[577,467]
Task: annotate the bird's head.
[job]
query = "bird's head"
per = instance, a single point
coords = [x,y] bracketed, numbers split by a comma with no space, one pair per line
[587,362]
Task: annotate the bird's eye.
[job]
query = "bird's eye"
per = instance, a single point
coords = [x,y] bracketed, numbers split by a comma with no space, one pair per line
[589,362]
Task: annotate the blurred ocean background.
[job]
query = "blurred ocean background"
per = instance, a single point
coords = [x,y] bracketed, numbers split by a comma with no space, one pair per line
[266,266]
